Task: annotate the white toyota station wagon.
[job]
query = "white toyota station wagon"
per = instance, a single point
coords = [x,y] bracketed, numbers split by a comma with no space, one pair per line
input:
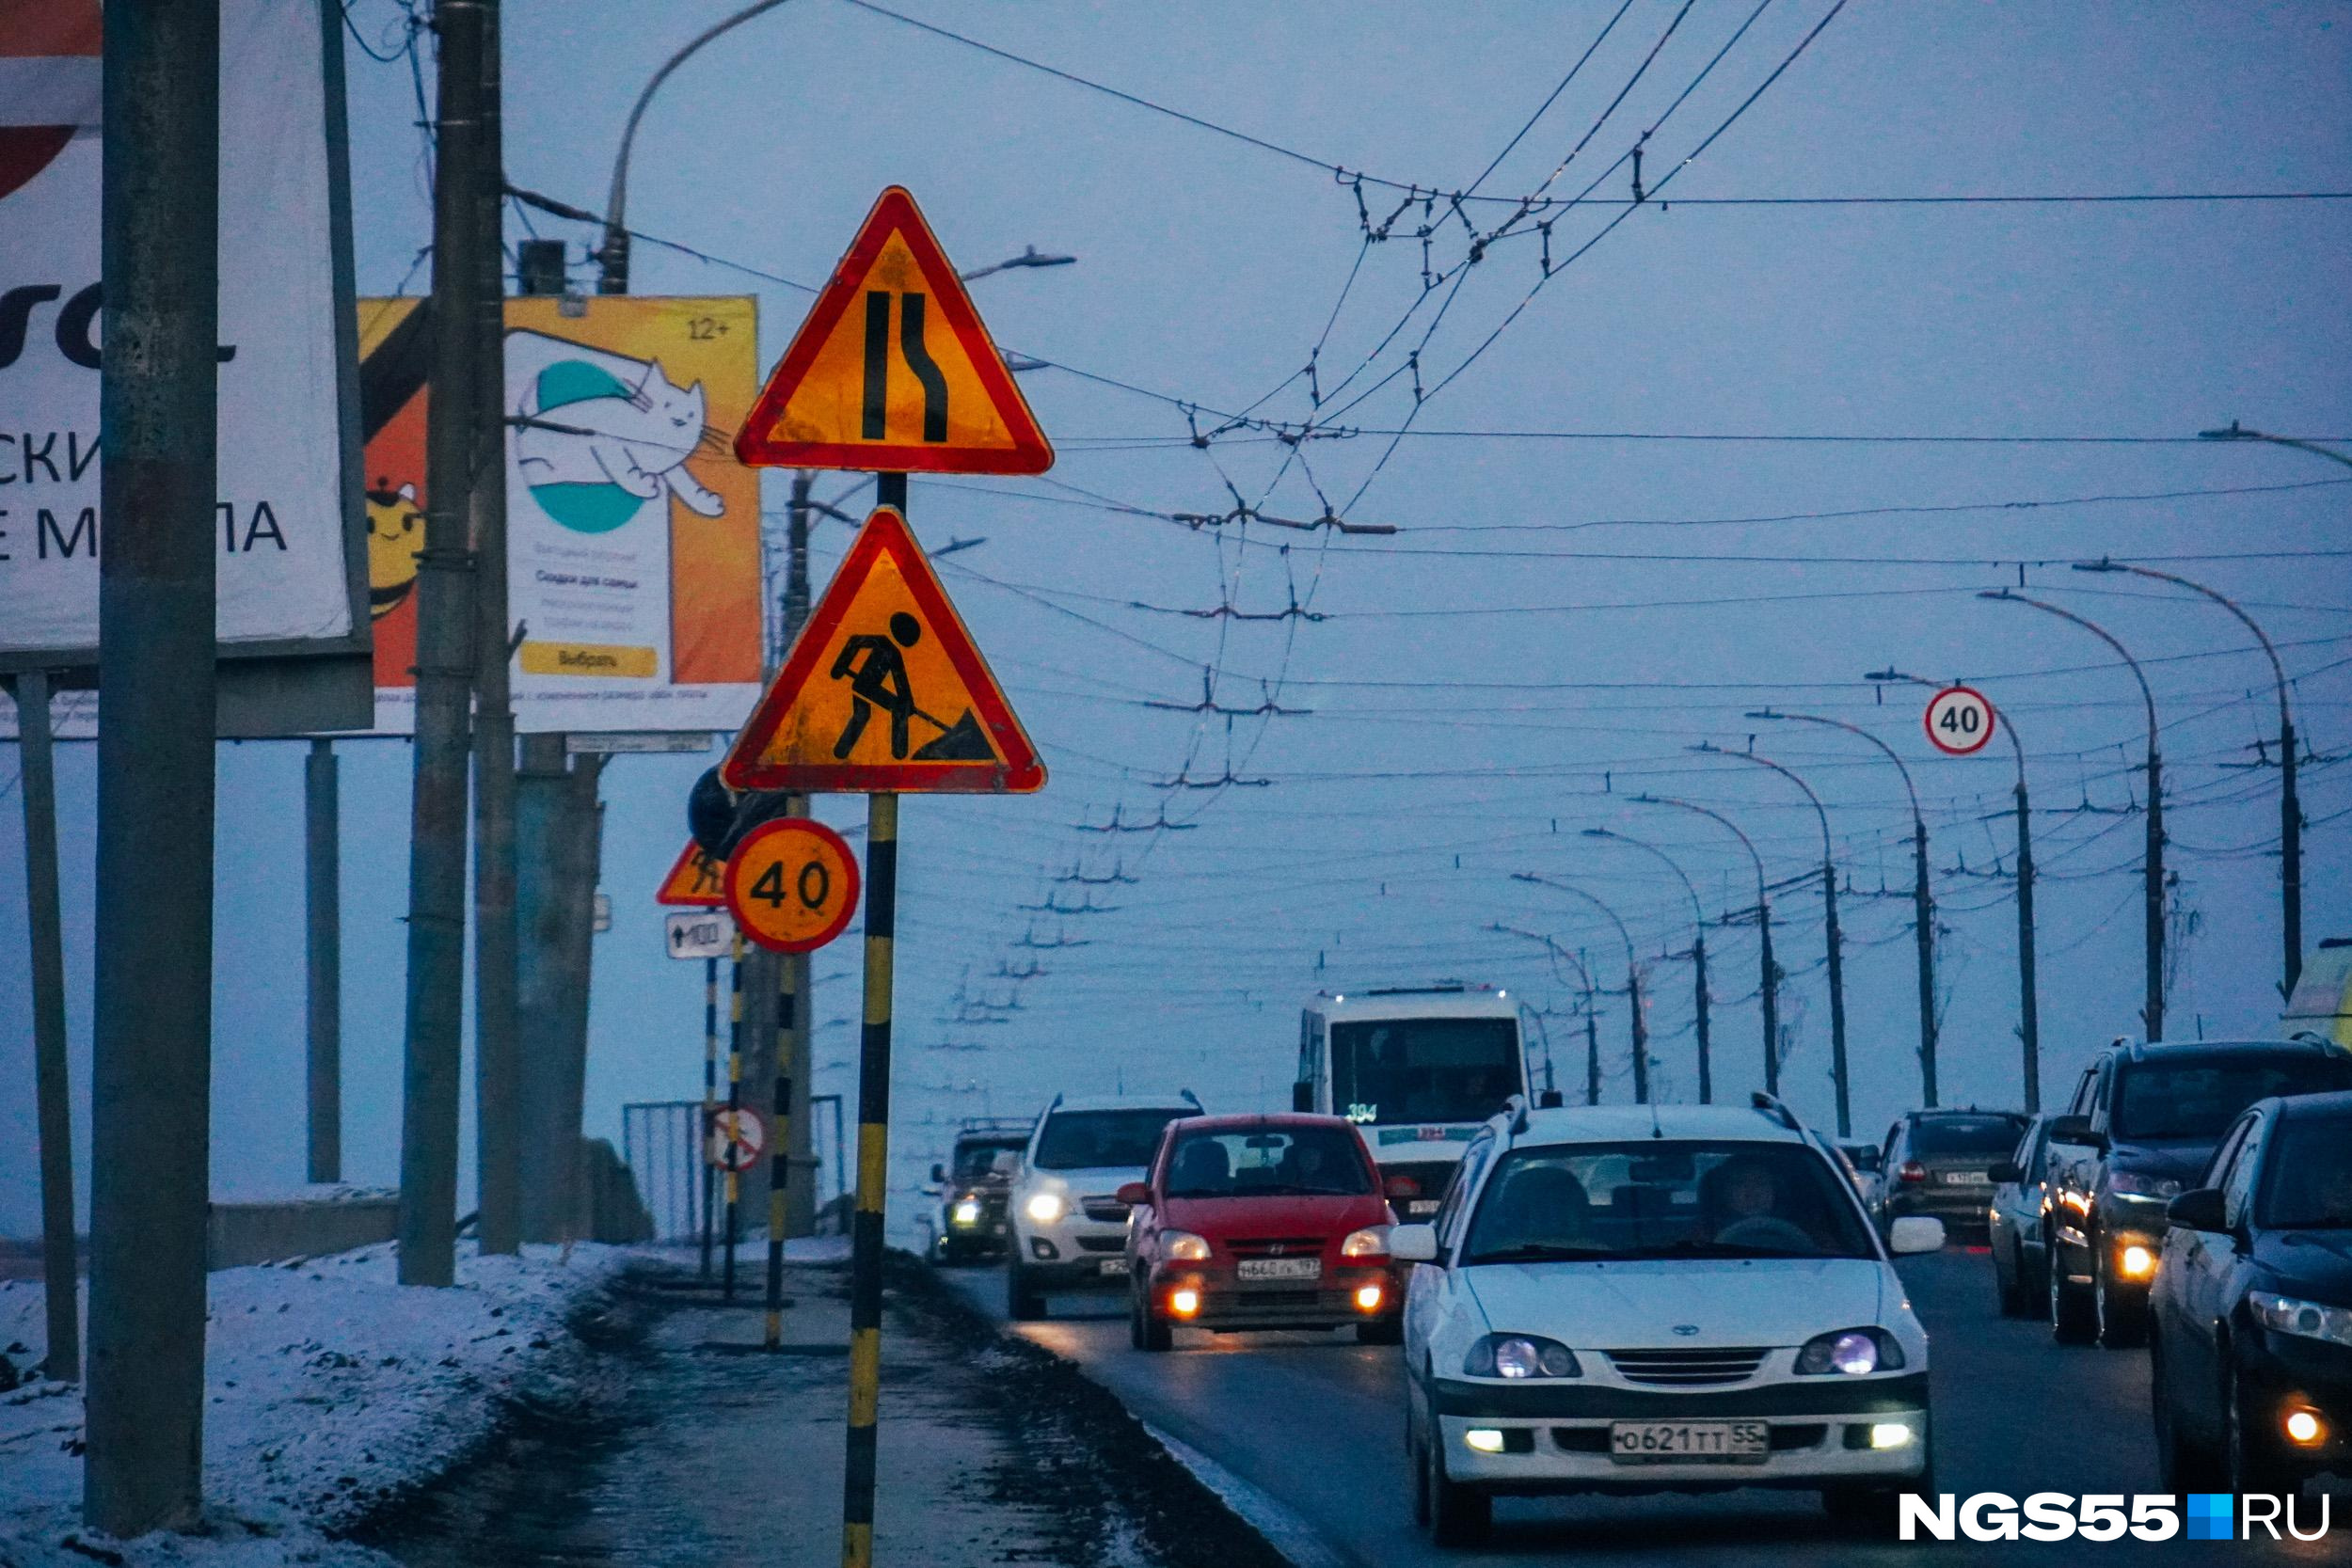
[1638,1298]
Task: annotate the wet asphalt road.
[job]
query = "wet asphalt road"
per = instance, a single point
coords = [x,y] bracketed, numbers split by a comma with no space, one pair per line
[1315,1421]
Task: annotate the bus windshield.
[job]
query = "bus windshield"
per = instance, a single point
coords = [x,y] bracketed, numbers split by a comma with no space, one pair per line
[1422,1069]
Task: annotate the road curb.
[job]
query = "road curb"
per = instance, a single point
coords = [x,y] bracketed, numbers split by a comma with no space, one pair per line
[1283,1528]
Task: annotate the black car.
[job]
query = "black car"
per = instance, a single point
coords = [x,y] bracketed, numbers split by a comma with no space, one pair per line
[969,1221]
[2018,1215]
[2139,1131]
[2252,1320]
[1940,1164]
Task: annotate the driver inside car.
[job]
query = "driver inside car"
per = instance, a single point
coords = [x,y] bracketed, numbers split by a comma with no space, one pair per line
[1743,1201]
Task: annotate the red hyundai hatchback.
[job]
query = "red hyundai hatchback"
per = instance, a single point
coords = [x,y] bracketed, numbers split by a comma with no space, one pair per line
[1261,1222]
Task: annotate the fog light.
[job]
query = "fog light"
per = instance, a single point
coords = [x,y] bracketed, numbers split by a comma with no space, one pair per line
[1483,1439]
[2136,1262]
[2305,1428]
[1368,1298]
[1184,1301]
[1889,1434]
[967,1212]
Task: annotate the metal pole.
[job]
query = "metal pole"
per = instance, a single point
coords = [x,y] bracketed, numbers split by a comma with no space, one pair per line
[2290,807]
[152,1048]
[2151,875]
[735,1107]
[436,858]
[1768,987]
[780,1145]
[1592,1054]
[1706,1069]
[61,1262]
[873,1167]
[498,1060]
[798,1151]
[1633,978]
[1837,997]
[1698,948]
[710,1099]
[2028,1004]
[322,832]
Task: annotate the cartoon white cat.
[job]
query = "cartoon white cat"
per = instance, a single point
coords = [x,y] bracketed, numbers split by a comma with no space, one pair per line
[589,418]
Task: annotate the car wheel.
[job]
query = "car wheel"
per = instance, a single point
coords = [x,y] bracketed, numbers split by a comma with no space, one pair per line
[2009,1284]
[2250,1460]
[1024,1302]
[2122,1321]
[1458,1515]
[1421,1470]
[1873,1510]
[1146,1328]
[2187,1466]
[2071,1320]
[1381,1330]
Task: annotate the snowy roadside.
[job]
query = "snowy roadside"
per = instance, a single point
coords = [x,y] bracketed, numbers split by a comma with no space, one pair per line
[330,1391]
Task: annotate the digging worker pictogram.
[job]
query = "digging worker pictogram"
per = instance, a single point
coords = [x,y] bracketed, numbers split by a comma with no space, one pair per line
[877,673]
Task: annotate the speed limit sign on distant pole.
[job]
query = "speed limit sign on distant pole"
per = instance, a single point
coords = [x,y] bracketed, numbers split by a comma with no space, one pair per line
[1959,720]
[792,884]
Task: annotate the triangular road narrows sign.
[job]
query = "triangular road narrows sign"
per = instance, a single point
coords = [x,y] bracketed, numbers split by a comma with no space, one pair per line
[884,690]
[893,372]
[694,881]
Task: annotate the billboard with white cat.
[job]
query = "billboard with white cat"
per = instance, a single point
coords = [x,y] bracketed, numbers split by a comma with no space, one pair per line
[633,565]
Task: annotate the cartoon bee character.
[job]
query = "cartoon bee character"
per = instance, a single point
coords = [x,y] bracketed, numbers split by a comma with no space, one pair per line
[395,538]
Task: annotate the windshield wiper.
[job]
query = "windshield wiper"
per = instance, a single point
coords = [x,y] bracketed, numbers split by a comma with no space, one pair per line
[1538,1252]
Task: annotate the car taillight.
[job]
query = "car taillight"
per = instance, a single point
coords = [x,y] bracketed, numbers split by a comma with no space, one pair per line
[1911,1170]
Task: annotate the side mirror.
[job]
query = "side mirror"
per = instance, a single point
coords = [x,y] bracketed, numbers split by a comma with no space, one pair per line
[1915,1233]
[1550,1100]
[2006,1172]
[1400,1187]
[1413,1243]
[939,1174]
[2076,1130]
[2199,1209]
[1303,1098]
[1134,1194]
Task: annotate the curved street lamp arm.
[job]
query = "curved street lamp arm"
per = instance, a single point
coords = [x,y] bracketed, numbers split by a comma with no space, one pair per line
[2098,631]
[1745,843]
[1828,853]
[1697,913]
[616,201]
[1856,730]
[1631,959]
[2278,671]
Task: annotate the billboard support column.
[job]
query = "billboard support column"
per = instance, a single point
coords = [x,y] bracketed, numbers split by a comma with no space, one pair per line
[321,846]
[61,1269]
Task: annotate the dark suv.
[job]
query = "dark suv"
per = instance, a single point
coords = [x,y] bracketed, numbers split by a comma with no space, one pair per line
[1940,1164]
[969,1219]
[2140,1127]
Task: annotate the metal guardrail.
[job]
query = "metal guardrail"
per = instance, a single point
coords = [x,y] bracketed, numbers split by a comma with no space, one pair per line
[663,1146]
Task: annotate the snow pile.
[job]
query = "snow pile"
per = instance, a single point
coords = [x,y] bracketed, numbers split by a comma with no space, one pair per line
[330,1390]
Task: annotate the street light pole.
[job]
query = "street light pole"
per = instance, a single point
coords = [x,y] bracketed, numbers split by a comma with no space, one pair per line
[1699,951]
[2028,1003]
[2152,891]
[1768,987]
[1588,991]
[1632,977]
[2290,804]
[1829,927]
[1922,896]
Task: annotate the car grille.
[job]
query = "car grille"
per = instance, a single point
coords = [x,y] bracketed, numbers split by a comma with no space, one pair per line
[1101,1243]
[1106,1211]
[1685,1368]
[1247,1299]
[1276,1246]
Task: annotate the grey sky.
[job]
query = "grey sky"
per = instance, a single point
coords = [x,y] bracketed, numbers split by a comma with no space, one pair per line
[1207,270]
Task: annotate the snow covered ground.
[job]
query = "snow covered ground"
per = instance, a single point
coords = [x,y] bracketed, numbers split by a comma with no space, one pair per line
[330,1390]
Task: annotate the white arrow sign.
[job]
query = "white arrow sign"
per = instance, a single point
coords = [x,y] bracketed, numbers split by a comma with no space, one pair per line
[699,934]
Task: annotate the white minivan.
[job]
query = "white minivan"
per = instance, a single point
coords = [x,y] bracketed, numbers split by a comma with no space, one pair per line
[1646,1298]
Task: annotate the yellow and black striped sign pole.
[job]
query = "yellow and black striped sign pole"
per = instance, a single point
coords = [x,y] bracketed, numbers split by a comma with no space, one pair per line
[734,1105]
[780,1138]
[711,1100]
[873,1166]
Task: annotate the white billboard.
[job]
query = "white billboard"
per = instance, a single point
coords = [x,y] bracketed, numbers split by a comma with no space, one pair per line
[286,582]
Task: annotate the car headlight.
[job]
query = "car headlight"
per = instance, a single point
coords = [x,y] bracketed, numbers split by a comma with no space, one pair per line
[1519,1355]
[1045,1208]
[1850,1353]
[1183,1247]
[2305,1320]
[966,1211]
[1370,1242]
[2125,1183]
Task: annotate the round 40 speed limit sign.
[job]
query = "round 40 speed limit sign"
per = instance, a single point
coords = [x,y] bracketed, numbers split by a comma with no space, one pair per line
[792,884]
[1959,720]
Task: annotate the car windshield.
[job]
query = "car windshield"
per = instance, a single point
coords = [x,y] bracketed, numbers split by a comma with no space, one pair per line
[1268,1162]
[1423,1070]
[1085,1140]
[975,1160]
[1589,1202]
[2199,1098]
[1988,1137]
[2309,1182]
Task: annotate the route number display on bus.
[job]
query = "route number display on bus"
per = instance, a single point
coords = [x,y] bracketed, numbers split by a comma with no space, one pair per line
[1959,720]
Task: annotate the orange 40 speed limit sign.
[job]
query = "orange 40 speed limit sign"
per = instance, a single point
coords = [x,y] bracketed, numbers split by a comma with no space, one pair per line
[792,884]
